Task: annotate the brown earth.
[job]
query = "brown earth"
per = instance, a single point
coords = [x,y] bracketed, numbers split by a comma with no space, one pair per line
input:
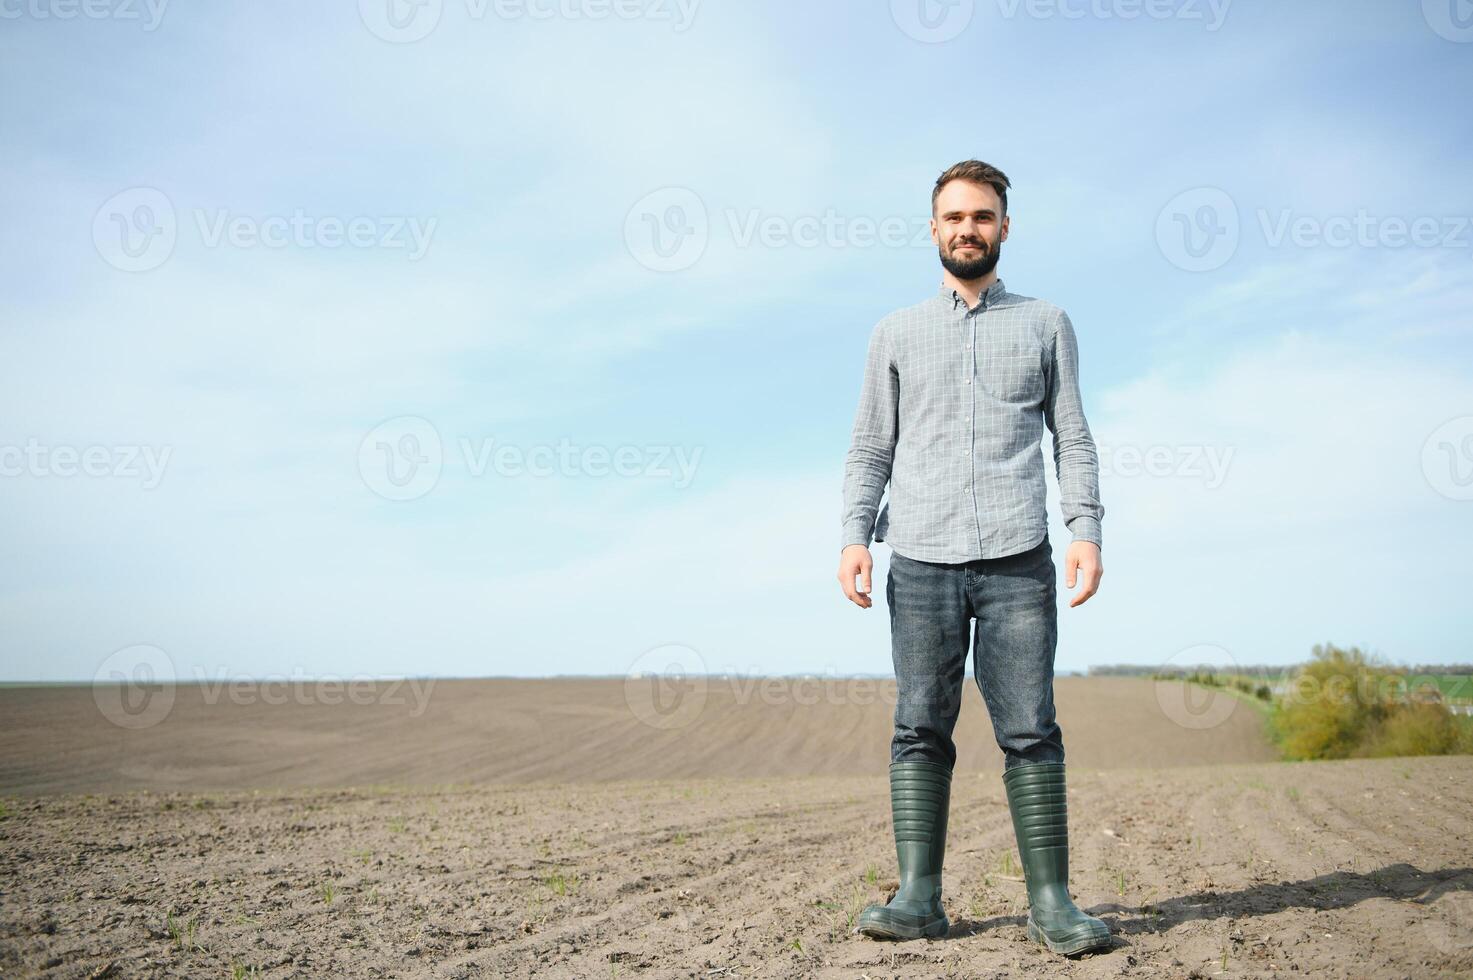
[1202,867]
[432,732]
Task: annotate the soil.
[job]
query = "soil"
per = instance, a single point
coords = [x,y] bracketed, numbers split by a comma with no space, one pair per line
[1360,868]
[432,732]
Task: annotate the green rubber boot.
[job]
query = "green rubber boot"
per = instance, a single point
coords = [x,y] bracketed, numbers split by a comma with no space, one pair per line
[920,798]
[1041,823]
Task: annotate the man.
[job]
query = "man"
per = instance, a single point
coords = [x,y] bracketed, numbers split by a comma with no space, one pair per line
[956,392]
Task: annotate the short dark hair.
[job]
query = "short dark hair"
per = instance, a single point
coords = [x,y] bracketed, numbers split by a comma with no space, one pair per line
[978,173]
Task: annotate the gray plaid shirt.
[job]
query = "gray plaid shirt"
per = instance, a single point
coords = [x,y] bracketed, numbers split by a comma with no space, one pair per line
[951,415]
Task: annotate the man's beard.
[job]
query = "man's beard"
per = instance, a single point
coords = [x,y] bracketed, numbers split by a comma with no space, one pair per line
[968,269]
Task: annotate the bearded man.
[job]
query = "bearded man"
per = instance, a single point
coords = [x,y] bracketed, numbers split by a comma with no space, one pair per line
[957,390]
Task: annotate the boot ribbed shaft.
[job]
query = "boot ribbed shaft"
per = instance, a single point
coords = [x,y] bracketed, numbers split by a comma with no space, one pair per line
[919,793]
[1039,804]
[920,799]
[1040,808]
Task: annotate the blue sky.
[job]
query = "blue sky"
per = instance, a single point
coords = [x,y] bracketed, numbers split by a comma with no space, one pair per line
[255,254]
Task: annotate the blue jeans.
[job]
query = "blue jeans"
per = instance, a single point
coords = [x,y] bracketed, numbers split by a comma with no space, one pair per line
[933,608]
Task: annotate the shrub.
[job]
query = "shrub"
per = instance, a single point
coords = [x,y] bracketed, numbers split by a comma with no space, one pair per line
[1414,729]
[1343,704]
[1326,712]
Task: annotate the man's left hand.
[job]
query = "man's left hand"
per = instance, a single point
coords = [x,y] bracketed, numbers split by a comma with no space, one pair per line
[1083,557]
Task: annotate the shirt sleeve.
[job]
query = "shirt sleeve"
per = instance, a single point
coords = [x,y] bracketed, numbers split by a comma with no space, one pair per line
[872,445]
[1076,460]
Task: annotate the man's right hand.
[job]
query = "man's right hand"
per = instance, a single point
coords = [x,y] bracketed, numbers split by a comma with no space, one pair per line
[855,561]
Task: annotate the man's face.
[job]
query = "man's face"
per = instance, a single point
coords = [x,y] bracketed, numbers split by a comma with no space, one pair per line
[969,229]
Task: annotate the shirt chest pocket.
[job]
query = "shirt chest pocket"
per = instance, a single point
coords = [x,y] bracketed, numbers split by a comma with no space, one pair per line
[1012,372]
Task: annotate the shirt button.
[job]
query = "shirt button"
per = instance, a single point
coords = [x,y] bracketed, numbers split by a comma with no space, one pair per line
[967,381]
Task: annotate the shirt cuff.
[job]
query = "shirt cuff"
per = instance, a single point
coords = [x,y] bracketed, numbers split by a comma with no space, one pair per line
[856,533]
[1086,528]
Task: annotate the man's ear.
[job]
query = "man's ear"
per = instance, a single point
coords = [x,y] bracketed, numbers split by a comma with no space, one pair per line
[1006,220]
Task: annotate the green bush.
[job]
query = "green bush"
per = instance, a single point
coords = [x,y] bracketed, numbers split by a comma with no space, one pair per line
[1343,704]
[1414,729]
[1322,716]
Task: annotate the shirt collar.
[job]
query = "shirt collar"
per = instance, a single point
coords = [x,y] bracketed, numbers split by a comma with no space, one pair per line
[988,299]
